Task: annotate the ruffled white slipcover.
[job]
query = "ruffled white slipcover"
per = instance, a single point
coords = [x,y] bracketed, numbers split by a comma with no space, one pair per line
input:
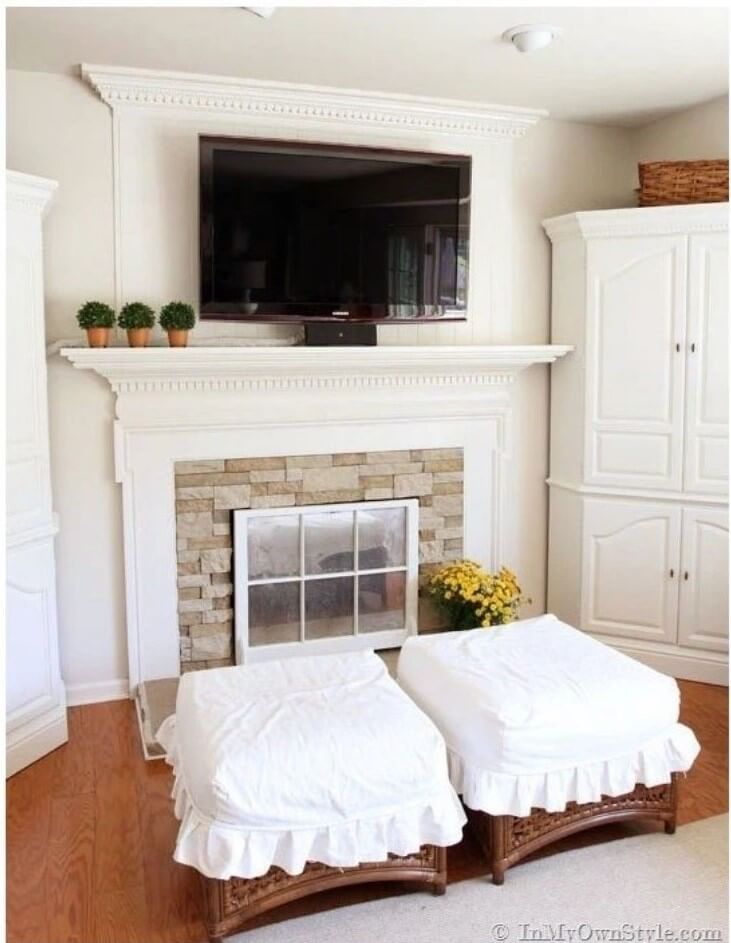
[537,714]
[306,759]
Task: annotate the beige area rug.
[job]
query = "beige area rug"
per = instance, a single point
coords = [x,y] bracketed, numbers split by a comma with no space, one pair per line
[156,701]
[649,889]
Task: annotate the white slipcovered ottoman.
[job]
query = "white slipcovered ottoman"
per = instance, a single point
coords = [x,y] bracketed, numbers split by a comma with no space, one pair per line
[540,716]
[284,767]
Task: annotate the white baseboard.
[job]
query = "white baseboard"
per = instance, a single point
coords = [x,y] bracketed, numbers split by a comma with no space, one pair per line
[683,665]
[34,739]
[115,690]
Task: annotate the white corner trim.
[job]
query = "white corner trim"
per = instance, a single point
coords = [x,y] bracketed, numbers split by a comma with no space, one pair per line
[639,221]
[28,193]
[236,369]
[282,101]
[95,691]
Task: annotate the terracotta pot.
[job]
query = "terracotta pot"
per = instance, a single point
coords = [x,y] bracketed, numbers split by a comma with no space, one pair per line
[177,337]
[98,336]
[138,336]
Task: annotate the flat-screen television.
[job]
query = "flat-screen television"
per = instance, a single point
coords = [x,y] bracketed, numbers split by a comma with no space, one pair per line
[302,232]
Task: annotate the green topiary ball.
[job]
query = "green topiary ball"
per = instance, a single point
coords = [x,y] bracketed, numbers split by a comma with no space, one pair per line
[177,316]
[135,314]
[95,314]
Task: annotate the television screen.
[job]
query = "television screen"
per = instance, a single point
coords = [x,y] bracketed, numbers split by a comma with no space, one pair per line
[310,232]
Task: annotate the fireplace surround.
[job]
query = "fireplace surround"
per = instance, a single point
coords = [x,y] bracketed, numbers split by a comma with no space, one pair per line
[202,403]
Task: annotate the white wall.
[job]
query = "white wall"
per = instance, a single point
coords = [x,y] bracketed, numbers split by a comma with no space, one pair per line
[699,133]
[59,129]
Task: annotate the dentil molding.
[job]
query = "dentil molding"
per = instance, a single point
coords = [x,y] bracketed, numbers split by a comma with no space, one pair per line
[27,193]
[639,221]
[241,369]
[124,88]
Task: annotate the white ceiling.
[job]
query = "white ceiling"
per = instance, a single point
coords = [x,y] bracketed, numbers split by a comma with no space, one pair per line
[613,65]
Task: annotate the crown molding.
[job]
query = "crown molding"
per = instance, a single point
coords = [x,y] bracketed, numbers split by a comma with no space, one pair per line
[124,88]
[293,369]
[639,221]
[29,194]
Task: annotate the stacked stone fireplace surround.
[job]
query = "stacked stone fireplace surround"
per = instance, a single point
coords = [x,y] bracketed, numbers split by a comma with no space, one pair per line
[207,492]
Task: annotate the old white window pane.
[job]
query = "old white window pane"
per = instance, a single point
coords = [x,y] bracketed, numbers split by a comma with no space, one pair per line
[273,547]
[274,613]
[381,602]
[381,538]
[329,542]
[329,607]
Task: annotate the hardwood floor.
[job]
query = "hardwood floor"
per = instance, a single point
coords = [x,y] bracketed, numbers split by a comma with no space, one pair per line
[90,833]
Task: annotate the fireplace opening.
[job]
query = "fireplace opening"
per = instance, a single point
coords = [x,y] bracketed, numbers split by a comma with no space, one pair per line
[325,578]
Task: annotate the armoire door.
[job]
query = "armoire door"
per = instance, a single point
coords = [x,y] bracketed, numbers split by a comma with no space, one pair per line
[706,425]
[703,620]
[630,570]
[635,362]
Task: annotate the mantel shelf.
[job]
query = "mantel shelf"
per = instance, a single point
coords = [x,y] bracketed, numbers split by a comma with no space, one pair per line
[223,368]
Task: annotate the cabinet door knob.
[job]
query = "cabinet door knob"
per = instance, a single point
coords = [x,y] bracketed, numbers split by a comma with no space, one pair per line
[685,575]
[692,348]
[672,574]
[677,347]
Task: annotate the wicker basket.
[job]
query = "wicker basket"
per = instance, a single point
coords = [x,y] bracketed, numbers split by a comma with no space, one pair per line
[668,182]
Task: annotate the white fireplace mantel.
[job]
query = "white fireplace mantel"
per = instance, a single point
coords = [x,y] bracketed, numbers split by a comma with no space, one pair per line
[236,369]
[203,403]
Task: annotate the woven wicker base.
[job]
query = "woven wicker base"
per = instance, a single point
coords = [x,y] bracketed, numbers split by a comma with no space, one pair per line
[229,905]
[506,839]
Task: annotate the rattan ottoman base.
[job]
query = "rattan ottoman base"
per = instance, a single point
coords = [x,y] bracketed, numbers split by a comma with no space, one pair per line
[230,905]
[506,839]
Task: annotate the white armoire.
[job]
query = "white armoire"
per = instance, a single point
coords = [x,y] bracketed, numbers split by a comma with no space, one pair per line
[35,696]
[638,534]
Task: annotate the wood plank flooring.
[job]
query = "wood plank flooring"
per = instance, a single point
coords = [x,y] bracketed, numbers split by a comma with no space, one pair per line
[90,832]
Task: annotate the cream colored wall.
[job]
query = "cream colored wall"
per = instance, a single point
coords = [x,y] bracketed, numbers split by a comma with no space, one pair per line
[59,129]
[695,134]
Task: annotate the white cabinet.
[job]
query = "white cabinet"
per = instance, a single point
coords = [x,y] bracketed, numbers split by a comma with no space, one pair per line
[35,697]
[639,433]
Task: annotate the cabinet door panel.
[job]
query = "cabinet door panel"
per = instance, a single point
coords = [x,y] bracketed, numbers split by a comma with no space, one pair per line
[706,448]
[32,682]
[631,562]
[635,373]
[703,621]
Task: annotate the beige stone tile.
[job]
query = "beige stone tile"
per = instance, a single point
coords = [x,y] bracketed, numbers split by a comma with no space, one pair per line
[276,474]
[191,566]
[273,501]
[430,551]
[329,497]
[284,487]
[190,618]
[376,481]
[217,615]
[229,497]
[209,543]
[221,530]
[217,578]
[448,487]
[350,458]
[411,486]
[295,474]
[393,468]
[217,590]
[186,468]
[198,504]
[254,464]
[211,479]
[448,504]
[343,477]
[390,457]
[378,494]
[219,662]
[188,556]
[440,477]
[448,465]
[194,605]
[194,525]
[194,579]
[192,494]
[211,646]
[449,533]
[216,561]
[309,461]
[189,592]
[454,543]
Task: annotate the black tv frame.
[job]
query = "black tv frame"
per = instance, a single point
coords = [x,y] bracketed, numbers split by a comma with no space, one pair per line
[217,311]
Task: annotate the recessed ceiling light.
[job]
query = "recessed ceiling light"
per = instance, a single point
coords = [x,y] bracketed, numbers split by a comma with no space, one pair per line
[529,37]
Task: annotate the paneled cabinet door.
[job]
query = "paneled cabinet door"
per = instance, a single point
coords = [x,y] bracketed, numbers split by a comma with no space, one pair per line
[636,303]
[703,621]
[631,563]
[706,447]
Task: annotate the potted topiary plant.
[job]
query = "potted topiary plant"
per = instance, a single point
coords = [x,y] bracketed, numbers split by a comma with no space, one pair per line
[97,319]
[137,319]
[177,318]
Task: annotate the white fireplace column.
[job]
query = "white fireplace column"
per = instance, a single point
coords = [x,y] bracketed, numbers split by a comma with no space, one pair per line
[211,403]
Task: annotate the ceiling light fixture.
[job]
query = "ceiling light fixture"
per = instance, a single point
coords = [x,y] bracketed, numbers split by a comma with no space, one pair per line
[529,37]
